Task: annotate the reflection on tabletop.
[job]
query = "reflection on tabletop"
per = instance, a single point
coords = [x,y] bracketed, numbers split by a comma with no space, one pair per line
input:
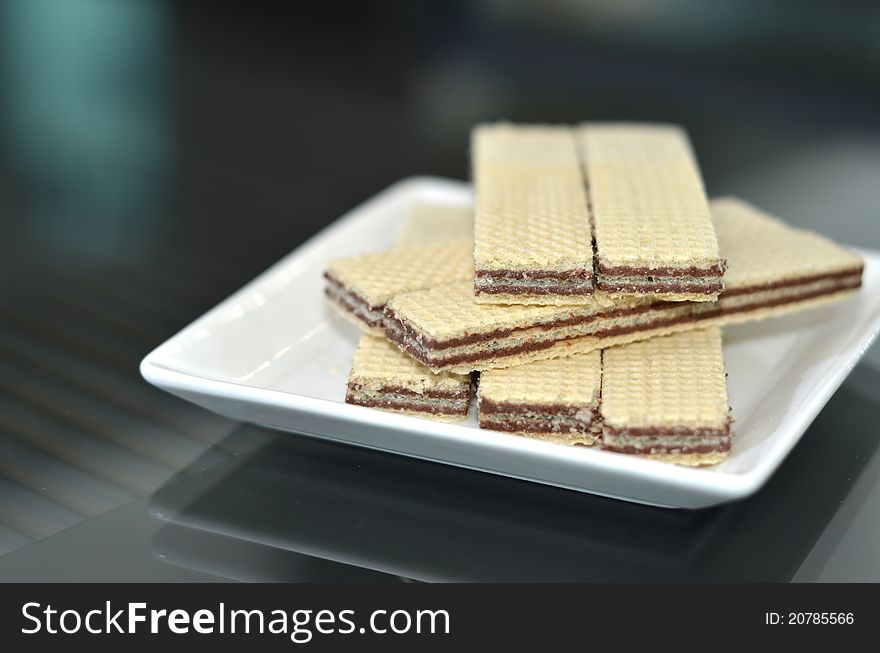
[261,500]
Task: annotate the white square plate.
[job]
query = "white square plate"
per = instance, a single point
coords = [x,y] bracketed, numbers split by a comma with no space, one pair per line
[275,354]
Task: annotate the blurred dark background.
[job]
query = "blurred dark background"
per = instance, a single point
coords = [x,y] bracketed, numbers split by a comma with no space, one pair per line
[154,156]
[231,130]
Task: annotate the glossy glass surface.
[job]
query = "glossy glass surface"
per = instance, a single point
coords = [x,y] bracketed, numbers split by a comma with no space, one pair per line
[155,157]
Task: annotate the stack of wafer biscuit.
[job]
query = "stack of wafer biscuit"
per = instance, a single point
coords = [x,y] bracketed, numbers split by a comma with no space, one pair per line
[584,289]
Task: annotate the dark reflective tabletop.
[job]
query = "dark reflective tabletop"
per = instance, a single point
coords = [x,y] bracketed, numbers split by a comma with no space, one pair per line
[155,156]
[431,522]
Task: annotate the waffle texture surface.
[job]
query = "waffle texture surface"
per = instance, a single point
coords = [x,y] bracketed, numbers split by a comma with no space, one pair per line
[648,202]
[377,277]
[531,207]
[449,310]
[676,381]
[572,381]
[379,364]
[432,223]
[761,249]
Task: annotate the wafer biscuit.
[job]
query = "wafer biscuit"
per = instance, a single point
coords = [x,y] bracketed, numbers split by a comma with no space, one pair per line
[383,377]
[653,231]
[552,400]
[774,269]
[360,286]
[532,234]
[429,223]
[666,398]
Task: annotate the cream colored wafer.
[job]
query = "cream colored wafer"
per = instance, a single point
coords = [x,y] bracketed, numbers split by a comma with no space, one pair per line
[532,234]
[774,269]
[654,233]
[552,400]
[360,286]
[667,397]
[762,249]
[571,381]
[430,223]
[676,381]
[384,377]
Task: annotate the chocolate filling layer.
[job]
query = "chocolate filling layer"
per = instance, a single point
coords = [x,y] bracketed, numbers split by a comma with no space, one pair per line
[663,271]
[347,302]
[351,302]
[534,282]
[422,356]
[659,287]
[482,336]
[511,289]
[397,390]
[393,403]
[404,335]
[559,419]
[672,431]
[487,407]
[799,281]
[532,426]
[698,449]
[618,312]
[578,274]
